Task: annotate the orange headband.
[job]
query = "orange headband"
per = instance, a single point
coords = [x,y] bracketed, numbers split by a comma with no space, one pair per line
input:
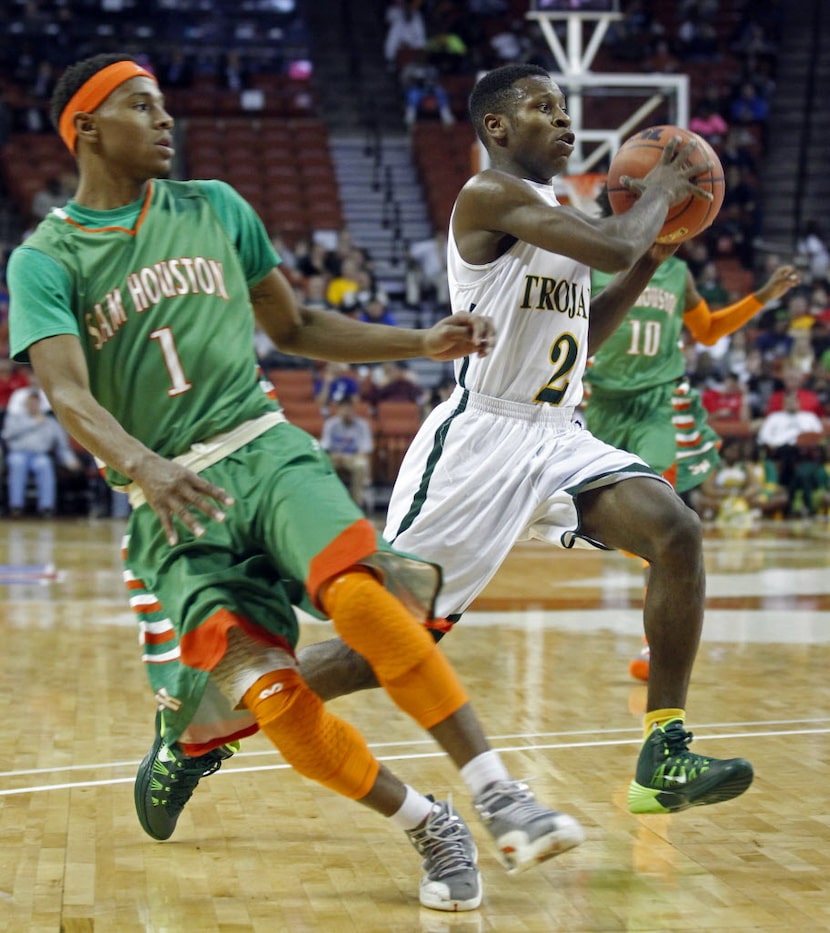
[93,93]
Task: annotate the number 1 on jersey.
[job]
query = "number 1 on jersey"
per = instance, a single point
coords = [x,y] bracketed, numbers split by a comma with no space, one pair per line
[178,381]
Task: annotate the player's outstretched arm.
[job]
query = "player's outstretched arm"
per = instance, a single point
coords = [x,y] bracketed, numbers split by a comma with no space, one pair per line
[327,335]
[707,326]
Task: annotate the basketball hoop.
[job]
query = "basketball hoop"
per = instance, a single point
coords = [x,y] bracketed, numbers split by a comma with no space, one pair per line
[580,191]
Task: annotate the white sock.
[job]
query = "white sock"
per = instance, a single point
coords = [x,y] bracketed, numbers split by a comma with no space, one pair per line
[484,769]
[413,811]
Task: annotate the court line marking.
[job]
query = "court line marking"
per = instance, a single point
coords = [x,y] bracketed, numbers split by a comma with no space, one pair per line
[131,763]
[412,756]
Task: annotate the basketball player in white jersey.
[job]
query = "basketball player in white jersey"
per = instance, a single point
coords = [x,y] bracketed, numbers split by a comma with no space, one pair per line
[505,458]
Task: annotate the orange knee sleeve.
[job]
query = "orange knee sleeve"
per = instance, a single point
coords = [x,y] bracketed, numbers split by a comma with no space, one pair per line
[314,742]
[403,655]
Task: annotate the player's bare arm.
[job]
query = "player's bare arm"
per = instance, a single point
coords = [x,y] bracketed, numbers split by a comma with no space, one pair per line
[172,491]
[778,284]
[326,335]
[496,208]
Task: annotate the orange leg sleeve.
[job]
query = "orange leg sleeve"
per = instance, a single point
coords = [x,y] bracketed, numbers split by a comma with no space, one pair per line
[403,655]
[315,743]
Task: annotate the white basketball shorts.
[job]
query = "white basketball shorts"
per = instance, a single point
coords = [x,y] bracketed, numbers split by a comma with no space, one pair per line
[482,474]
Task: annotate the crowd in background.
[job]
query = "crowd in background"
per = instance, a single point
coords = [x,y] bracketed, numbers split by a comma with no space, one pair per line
[786,349]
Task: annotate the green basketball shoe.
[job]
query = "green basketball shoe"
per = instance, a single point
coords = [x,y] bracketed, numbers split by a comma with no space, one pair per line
[670,778]
[165,781]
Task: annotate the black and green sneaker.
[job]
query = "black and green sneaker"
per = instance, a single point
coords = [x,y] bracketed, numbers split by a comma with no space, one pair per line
[670,778]
[165,781]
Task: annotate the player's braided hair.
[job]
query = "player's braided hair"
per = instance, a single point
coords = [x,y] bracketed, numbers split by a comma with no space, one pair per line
[495,93]
[75,77]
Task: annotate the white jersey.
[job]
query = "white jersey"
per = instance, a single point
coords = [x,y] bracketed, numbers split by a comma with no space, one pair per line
[504,458]
[538,302]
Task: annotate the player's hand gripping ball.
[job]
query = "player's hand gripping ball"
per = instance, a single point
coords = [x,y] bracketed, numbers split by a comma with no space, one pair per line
[641,152]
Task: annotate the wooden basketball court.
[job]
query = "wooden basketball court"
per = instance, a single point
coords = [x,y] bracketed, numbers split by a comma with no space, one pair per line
[545,655]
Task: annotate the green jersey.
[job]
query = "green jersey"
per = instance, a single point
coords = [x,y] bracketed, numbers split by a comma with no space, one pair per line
[142,285]
[644,351]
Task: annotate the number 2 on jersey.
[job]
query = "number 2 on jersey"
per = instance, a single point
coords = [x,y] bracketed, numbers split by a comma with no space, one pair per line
[563,354]
[178,381]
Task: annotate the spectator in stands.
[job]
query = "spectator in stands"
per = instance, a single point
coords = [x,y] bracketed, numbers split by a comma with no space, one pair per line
[725,236]
[710,287]
[345,285]
[729,400]
[695,254]
[333,383]
[347,439]
[12,378]
[736,149]
[286,253]
[820,303]
[448,51]
[407,30]
[742,189]
[313,293]
[810,490]
[422,89]
[440,393]
[376,311]
[801,356]
[708,123]
[812,248]
[632,37]
[510,44]
[662,60]
[426,274]
[34,443]
[748,106]
[736,358]
[44,80]
[798,307]
[53,194]
[759,462]
[780,431]
[18,400]
[735,487]
[751,40]
[697,37]
[177,70]
[368,293]
[796,414]
[795,383]
[394,382]
[761,382]
[234,73]
[311,257]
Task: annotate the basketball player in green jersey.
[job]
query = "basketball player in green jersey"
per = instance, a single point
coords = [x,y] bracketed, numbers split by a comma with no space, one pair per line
[135,304]
[639,398]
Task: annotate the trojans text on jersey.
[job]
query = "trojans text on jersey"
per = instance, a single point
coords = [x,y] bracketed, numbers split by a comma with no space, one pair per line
[542,293]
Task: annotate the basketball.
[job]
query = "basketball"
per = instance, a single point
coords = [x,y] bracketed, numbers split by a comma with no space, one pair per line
[636,157]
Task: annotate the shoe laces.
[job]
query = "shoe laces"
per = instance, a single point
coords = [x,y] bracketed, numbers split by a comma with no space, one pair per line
[676,754]
[509,798]
[184,773]
[444,842]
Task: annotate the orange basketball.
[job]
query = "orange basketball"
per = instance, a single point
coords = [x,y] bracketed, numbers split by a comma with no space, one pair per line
[636,157]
